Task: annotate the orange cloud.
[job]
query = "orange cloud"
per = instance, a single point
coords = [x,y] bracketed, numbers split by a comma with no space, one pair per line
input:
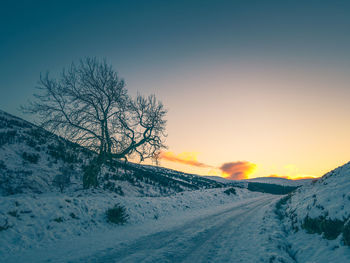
[189,158]
[238,170]
[232,170]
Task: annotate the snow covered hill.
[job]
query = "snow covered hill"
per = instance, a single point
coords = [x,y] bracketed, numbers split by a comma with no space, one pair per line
[264,180]
[318,217]
[34,209]
[221,179]
[272,185]
[32,160]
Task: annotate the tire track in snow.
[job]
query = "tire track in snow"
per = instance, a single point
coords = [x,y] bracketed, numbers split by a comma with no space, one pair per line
[222,237]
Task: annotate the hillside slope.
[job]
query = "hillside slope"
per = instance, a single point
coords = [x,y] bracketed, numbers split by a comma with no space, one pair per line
[318,217]
[34,210]
[32,160]
[328,197]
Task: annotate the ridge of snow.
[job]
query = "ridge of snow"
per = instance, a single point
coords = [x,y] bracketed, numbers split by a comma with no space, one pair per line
[329,198]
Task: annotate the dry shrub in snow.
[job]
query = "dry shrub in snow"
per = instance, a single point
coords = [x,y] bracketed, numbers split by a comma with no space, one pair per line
[117,215]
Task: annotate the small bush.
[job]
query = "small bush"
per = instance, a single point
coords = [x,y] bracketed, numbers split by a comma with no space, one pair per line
[4,225]
[31,143]
[58,220]
[230,191]
[2,165]
[72,215]
[331,228]
[117,215]
[346,234]
[278,209]
[62,180]
[119,190]
[7,137]
[59,151]
[32,158]
[13,213]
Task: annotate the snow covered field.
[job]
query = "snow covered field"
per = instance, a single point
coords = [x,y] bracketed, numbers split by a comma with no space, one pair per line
[215,229]
[37,220]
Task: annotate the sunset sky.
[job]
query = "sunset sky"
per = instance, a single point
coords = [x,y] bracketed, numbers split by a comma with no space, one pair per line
[253,88]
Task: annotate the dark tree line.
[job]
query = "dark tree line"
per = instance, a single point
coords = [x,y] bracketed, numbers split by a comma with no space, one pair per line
[270,188]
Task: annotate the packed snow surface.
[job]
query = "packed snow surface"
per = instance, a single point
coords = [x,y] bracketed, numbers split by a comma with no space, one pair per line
[236,229]
[38,219]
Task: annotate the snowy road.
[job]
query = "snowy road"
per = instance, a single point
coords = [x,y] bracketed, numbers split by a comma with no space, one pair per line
[233,235]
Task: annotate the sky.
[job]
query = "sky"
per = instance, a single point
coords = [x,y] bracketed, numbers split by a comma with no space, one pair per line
[253,88]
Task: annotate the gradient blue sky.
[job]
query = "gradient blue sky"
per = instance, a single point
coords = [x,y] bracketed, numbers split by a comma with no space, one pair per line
[259,81]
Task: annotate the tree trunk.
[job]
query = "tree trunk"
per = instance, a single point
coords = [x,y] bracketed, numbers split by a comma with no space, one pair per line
[90,177]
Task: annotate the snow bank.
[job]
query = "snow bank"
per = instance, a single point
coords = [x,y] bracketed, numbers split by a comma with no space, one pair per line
[316,216]
[34,220]
[329,196]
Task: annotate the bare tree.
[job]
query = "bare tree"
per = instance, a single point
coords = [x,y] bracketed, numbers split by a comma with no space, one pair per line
[89,104]
[62,180]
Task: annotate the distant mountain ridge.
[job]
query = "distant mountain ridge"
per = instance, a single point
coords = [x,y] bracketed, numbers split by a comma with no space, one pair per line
[265,180]
[280,181]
